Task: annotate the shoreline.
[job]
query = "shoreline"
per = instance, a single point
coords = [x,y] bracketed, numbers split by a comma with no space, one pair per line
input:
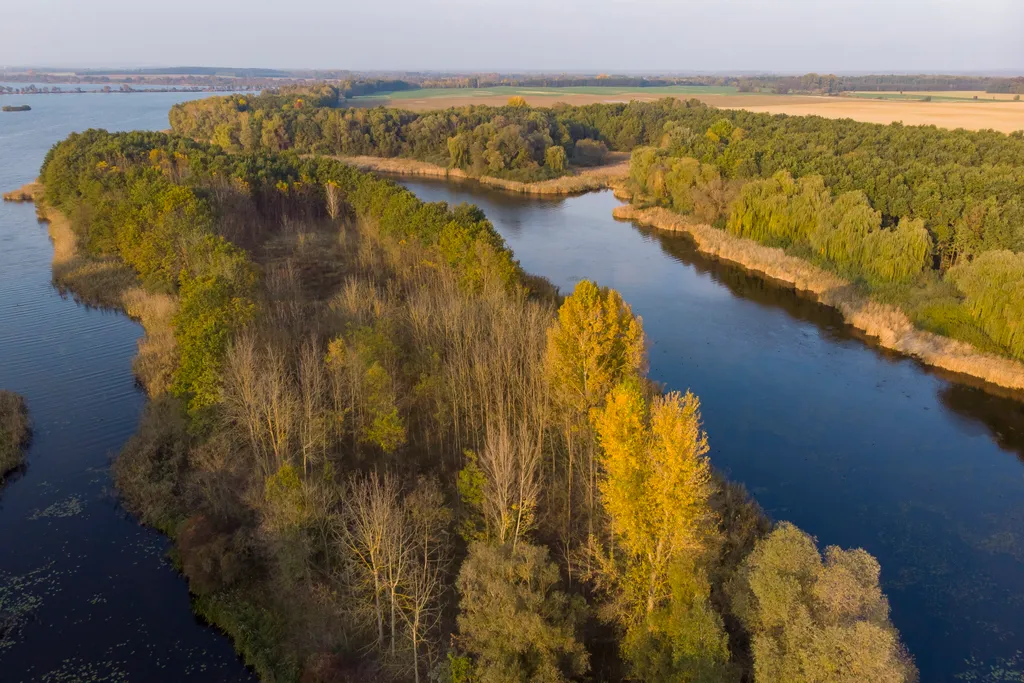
[884,322]
[583,180]
[108,283]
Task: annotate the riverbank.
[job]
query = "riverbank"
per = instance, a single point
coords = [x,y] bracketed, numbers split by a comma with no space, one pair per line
[109,283]
[14,432]
[606,176]
[25,193]
[892,328]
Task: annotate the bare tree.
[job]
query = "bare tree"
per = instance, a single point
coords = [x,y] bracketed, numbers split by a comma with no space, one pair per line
[510,461]
[334,202]
[371,517]
[259,399]
[314,422]
[427,520]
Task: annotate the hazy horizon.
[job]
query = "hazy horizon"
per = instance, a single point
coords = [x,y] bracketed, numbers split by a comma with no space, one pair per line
[573,36]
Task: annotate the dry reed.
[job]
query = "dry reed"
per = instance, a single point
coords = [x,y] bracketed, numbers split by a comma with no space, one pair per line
[108,283]
[887,323]
[582,180]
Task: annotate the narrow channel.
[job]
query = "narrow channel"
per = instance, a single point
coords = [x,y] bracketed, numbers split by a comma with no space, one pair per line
[86,594]
[859,446]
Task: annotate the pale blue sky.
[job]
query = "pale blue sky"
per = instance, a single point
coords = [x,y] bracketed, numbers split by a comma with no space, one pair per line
[554,35]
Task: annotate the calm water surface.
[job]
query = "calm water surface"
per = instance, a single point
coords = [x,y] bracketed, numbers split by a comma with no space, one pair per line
[858,446]
[86,594]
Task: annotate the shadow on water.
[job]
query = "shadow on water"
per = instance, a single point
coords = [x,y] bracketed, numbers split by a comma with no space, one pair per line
[980,405]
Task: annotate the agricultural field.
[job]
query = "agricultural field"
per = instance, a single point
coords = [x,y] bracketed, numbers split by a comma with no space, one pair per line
[951,109]
[442,98]
[938,96]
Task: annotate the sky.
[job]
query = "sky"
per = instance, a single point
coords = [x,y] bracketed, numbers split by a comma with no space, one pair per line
[619,36]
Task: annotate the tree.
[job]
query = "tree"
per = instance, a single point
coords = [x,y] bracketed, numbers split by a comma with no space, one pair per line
[514,621]
[813,620]
[554,158]
[595,343]
[683,639]
[334,201]
[655,486]
[420,599]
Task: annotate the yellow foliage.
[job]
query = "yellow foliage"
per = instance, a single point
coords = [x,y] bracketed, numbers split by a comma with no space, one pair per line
[656,484]
[594,344]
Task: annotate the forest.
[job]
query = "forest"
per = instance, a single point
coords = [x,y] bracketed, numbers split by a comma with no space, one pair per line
[830,84]
[516,142]
[387,453]
[924,203]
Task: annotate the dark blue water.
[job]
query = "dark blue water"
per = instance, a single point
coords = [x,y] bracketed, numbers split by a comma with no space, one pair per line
[86,594]
[858,446]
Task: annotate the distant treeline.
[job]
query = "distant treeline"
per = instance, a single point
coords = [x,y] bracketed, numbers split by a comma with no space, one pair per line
[516,142]
[832,85]
[387,454]
[563,81]
[189,71]
[939,197]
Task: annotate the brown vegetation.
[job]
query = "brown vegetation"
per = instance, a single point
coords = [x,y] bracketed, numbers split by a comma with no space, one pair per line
[25,193]
[14,432]
[887,323]
[107,282]
[582,179]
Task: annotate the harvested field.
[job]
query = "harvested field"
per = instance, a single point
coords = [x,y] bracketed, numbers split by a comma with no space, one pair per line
[1002,114]
[962,95]
[1006,117]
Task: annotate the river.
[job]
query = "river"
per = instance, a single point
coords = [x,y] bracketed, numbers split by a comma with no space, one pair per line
[856,445]
[86,594]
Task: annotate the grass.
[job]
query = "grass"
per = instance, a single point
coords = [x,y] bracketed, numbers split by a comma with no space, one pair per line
[14,432]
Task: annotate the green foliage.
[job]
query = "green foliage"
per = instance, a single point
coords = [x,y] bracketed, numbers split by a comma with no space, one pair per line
[685,639]
[514,620]
[260,635]
[555,159]
[470,485]
[993,285]
[513,142]
[814,620]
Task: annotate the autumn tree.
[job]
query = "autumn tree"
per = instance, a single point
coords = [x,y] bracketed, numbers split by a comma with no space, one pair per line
[513,619]
[655,485]
[595,343]
[555,159]
[817,620]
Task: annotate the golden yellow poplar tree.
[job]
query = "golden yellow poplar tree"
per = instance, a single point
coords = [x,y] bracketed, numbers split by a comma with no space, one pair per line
[595,343]
[655,486]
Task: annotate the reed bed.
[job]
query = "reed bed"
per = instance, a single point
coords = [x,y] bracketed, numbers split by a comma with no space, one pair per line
[582,180]
[887,323]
